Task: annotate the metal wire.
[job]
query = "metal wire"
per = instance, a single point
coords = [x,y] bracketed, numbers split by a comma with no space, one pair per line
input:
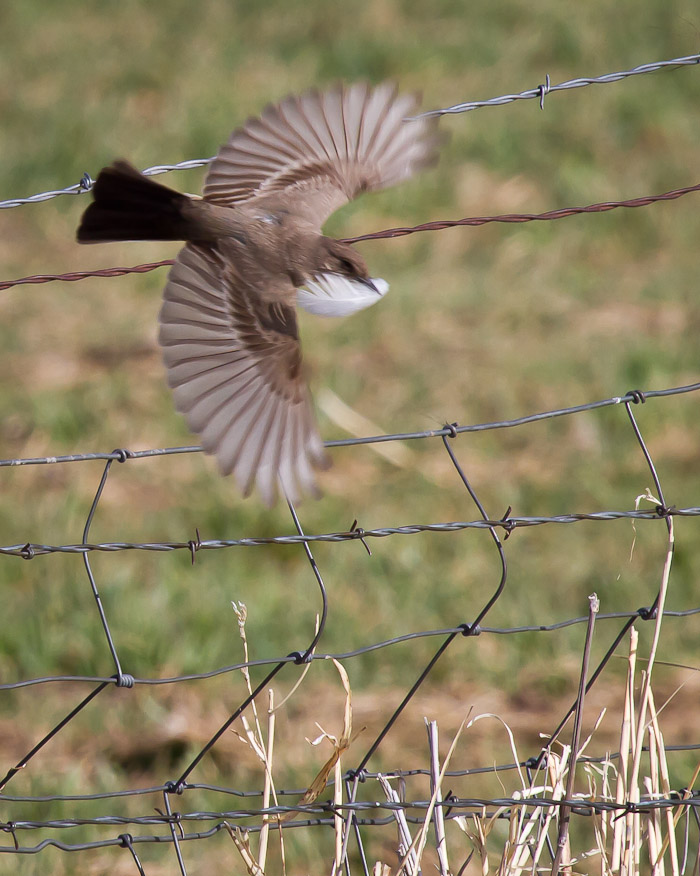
[364,814]
[87,182]
[358,814]
[402,231]
[538,92]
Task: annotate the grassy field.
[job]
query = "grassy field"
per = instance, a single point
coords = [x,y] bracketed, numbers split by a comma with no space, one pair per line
[481,324]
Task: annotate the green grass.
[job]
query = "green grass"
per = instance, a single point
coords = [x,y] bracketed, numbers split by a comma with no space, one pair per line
[481,324]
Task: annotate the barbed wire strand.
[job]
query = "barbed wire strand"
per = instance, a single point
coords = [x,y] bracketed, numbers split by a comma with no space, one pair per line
[476,807]
[86,182]
[388,233]
[540,91]
[30,551]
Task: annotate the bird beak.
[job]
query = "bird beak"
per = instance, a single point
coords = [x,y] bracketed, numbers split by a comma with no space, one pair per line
[370,284]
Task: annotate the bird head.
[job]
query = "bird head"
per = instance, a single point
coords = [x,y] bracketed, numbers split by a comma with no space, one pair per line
[340,258]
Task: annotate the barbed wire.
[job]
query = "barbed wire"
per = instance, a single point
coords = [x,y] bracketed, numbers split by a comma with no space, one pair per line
[375,812]
[477,807]
[435,225]
[540,91]
[31,550]
[86,182]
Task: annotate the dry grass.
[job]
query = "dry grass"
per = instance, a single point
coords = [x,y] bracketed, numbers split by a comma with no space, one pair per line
[509,838]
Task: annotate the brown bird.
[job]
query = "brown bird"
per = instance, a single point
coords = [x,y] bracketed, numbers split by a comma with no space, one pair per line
[254,251]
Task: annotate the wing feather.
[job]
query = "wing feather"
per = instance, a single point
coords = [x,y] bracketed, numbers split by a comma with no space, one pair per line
[234,364]
[322,149]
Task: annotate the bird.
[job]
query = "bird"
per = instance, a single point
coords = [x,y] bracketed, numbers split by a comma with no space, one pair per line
[254,251]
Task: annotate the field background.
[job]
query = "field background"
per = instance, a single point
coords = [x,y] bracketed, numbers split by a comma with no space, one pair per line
[480,324]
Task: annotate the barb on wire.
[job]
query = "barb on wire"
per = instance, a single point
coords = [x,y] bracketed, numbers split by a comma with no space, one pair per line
[540,91]
[31,550]
[87,182]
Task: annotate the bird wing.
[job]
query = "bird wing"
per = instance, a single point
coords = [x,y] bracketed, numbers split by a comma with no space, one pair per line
[322,149]
[233,361]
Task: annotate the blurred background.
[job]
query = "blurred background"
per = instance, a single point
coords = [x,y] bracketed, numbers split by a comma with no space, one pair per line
[480,324]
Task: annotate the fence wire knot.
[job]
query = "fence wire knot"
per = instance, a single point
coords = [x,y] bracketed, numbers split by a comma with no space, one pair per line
[86,182]
[451,429]
[27,552]
[122,454]
[638,396]
[646,613]
[123,679]
[299,658]
[543,89]
[10,828]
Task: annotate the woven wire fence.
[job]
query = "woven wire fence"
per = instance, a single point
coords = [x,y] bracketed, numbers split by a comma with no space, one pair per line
[358,800]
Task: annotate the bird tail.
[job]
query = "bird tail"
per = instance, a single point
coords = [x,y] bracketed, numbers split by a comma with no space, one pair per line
[129,206]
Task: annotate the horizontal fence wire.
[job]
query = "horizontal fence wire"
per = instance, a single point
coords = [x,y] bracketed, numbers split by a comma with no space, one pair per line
[86,182]
[387,233]
[198,823]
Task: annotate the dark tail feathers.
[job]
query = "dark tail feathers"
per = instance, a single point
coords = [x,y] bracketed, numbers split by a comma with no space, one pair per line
[129,206]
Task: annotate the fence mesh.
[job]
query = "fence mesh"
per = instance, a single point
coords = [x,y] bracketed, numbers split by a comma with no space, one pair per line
[351,805]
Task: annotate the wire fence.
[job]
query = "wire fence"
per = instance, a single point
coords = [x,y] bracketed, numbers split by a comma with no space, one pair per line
[357,801]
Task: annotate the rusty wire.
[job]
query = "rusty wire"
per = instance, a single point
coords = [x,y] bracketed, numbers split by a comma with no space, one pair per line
[436,225]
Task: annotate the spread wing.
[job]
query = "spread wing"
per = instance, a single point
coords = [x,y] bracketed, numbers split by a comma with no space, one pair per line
[234,364]
[322,149]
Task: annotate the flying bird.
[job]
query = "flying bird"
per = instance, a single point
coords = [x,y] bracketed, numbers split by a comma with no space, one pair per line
[254,252]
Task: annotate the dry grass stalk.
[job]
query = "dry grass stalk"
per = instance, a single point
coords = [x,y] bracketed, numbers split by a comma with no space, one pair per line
[408,858]
[255,739]
[267,785]
[340,746]
[241,840]
[657,751]
[622,827]
[600,821]
[439,820]
[681,810]
[562,856]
